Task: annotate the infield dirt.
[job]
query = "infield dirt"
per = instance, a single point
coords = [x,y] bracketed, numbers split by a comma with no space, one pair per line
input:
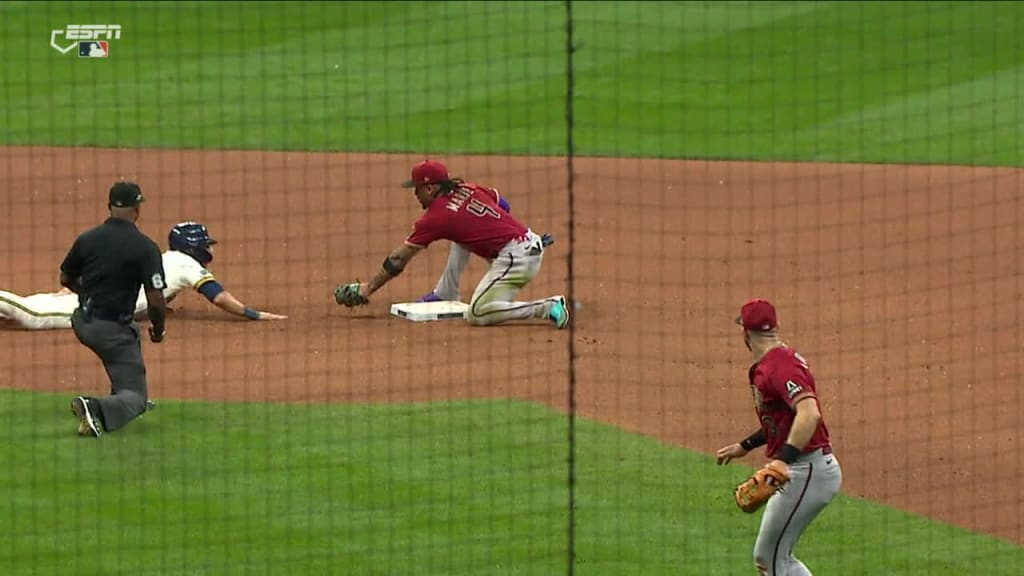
[900,284]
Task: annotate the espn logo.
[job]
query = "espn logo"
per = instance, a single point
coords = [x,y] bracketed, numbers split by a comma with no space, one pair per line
[92,39]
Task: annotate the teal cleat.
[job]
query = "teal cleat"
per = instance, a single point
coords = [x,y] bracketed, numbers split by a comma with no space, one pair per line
[559,314]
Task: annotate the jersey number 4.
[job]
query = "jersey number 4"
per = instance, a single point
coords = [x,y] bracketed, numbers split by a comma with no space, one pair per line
[478,208]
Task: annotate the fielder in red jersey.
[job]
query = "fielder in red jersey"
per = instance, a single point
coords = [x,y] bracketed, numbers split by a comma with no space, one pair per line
[447,287]
[779,381]
[470,216]
[795,436]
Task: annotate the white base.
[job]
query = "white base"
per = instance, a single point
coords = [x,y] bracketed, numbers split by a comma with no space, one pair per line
[430,311]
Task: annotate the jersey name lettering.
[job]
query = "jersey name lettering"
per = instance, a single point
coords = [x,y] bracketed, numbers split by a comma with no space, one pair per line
[457,198]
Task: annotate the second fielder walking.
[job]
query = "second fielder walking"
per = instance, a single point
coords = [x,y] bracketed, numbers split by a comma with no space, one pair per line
[796,439]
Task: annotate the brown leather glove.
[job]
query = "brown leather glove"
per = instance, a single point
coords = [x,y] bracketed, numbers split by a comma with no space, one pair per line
[761,486]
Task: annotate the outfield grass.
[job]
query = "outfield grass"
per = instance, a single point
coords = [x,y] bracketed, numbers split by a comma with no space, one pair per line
[852,81]
[465,488]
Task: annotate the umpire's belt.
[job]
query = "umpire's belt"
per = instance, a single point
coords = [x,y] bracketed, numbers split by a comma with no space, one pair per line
[91,313]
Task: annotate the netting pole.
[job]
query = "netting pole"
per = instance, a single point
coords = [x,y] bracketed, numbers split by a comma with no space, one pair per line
[570,152]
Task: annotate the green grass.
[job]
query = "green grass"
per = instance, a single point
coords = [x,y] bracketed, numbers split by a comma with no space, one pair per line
[466,488]
[852,81]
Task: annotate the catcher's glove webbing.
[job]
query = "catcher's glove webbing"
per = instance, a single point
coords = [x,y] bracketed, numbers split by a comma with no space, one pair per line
[348,295]
[761,486]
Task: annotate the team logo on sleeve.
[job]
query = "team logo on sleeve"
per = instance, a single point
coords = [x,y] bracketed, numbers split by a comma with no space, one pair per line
[792,389]
[758,399]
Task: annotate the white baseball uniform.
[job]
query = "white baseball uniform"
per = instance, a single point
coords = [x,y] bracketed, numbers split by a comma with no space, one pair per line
[52,310]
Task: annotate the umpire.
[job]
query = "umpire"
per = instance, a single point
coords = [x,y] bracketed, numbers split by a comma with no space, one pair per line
[105,267]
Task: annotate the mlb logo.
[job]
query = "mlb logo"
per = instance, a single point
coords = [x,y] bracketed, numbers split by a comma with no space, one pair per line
[94,49]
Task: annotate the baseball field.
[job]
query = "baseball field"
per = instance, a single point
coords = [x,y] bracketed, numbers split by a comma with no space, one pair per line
[856,162]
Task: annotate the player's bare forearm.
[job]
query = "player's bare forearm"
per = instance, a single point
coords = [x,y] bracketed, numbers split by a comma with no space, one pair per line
[378,281]
[805,423]
[228,303]
[393,265]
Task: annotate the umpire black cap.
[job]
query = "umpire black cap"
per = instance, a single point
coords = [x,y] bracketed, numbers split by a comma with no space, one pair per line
[125,194]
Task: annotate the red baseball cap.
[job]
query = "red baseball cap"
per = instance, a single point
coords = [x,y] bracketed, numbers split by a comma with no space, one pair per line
[427,172]
[758,315]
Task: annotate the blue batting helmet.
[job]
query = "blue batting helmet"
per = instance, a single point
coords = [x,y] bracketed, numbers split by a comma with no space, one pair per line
[192,239]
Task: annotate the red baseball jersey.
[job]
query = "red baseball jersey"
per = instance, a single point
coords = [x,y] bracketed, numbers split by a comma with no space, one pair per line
[470,216]
[777,381]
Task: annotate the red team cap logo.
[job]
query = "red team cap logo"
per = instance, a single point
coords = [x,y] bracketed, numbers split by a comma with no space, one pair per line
[427,172]
[758,315]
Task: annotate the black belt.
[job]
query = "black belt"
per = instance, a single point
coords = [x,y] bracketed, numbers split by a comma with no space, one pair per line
[98,314]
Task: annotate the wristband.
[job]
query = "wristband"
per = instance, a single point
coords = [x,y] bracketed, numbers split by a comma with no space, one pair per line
[250,313]
[788,453]
[390,267]
[755,440]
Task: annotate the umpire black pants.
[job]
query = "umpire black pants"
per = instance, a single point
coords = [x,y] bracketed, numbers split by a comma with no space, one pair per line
[118,345]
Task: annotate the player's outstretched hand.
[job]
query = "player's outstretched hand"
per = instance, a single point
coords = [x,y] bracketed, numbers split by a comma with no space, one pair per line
[729,453]
[272,316]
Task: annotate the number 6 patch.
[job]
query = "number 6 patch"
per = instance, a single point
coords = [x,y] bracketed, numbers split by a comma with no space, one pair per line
[158,281]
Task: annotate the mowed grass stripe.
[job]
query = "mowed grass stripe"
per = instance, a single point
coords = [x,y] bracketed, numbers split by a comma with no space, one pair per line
[843,81]
[461,488]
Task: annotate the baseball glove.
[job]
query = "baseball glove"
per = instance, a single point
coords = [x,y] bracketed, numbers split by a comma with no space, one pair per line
[348,295]
[761,486]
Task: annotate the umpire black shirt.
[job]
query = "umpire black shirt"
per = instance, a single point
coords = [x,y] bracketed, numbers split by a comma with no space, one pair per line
[112,260]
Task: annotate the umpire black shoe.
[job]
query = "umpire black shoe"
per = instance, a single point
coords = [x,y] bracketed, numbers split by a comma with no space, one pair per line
[88,418]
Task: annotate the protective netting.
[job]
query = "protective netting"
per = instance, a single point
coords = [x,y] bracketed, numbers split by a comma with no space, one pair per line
[852,162]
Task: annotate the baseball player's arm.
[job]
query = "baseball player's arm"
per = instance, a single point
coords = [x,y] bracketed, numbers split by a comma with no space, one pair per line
[228,303]
[804,423]
[393,265]
[740,449]
[213,291]
[795,391]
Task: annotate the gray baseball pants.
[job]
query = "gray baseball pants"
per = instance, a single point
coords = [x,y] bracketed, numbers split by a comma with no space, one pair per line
[815,479]
[119,347]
